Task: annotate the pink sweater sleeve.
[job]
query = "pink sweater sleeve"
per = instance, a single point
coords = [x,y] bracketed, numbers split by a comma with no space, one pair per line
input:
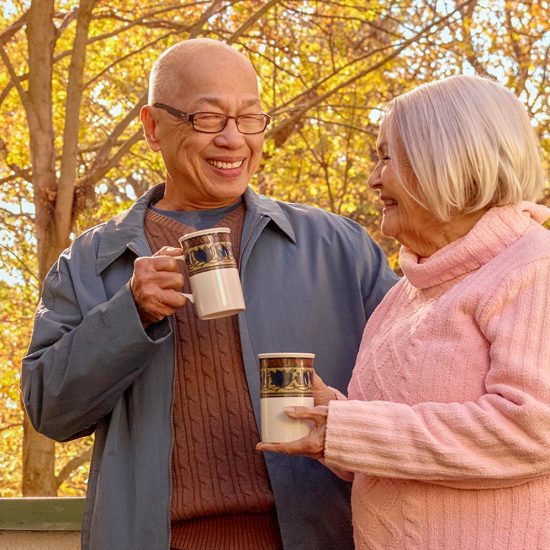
[502,439]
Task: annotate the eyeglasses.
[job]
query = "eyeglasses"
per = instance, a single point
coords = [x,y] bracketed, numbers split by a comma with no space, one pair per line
[212,123]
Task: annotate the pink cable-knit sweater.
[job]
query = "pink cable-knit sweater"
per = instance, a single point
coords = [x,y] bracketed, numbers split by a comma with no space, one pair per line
[447,422]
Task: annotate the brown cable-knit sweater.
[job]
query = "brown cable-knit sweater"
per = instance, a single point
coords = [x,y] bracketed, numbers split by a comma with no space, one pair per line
[221,497]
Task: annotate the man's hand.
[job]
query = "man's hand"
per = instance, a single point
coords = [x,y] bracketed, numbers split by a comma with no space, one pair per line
[313,444]
[156,285]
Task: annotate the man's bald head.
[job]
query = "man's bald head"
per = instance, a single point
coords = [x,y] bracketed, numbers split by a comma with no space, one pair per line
[173,69]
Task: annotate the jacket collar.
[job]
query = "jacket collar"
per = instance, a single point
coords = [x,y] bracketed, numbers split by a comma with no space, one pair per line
[125,231]
[264,206]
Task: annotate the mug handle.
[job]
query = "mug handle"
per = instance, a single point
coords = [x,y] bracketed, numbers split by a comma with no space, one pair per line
[188,296]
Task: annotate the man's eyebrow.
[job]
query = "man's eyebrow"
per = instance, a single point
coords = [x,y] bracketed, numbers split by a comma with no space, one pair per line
[218,102]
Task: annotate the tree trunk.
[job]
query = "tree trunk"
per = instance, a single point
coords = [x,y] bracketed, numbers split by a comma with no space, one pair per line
[38,451]
[38,463]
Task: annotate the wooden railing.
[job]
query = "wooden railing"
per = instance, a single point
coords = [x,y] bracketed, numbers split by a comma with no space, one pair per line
[40,523]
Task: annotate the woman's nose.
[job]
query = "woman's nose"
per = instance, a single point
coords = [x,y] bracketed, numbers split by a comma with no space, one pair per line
[373,180]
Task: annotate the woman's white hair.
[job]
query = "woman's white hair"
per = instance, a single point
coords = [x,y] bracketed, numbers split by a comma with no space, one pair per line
[469,142]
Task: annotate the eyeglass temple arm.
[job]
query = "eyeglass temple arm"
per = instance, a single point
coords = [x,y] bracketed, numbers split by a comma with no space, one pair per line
[175,112]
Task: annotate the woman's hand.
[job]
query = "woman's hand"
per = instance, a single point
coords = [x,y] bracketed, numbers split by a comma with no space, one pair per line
[322,393]
[313,444]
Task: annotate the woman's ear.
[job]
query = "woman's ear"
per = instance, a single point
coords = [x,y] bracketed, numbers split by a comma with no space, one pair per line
[149,122]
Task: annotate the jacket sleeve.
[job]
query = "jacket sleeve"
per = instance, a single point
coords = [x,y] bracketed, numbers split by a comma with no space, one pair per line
[80,363]
[501,439]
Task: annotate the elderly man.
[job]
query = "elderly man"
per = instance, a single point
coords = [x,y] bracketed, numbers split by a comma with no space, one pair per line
[174,400]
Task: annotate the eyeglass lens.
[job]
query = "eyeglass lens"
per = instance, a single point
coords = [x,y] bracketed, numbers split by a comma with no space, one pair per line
[213,122]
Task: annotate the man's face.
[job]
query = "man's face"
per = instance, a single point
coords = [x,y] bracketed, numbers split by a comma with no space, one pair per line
[210,170]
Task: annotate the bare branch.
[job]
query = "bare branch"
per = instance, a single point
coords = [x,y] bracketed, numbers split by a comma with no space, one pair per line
[286,126]
[471,55]
[196,29]
[14,79]
[6,34]
[7,89]
[69,17]
[127,56]
[65,184]
[109,14]
[251,20]
[280,108]
[101,159]
[102,169]
[143,21]
[22,266]
[10,426]
[73,465]
[340,17]
[9,213]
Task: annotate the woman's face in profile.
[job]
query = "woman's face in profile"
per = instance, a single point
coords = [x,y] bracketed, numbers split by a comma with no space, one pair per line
[403,218]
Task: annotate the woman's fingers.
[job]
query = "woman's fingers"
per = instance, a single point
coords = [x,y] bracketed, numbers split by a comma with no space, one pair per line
[296,447]
[313,444]
[322,393]
[317,414]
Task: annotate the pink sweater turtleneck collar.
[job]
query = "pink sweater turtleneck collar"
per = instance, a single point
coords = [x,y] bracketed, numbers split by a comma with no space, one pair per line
[496,230]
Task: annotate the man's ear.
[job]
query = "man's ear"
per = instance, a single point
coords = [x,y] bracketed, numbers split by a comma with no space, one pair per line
[148,118]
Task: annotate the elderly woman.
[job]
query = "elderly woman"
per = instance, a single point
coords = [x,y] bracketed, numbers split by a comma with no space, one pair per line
[446,427]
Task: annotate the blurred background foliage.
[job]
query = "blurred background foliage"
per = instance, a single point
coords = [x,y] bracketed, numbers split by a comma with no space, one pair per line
[74,76]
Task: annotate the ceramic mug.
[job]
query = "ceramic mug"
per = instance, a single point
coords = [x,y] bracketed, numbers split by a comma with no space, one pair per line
[286,380]
[213,275]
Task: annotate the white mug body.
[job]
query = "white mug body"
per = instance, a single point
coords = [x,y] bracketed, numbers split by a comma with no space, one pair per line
[286,380]
[277,426]
[217,293]
[213,274]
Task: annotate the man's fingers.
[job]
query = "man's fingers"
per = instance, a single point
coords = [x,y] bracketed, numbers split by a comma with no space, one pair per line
[163,303]
[171,299]
[158,263]
[149,278]
[168,251]
[165,280]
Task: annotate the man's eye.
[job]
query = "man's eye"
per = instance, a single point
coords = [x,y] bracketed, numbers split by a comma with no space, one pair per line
[209,118]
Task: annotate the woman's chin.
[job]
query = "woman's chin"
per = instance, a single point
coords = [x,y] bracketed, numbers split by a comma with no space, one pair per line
[388,229]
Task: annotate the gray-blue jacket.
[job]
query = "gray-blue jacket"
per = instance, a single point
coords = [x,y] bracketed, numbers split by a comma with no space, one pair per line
[310,279]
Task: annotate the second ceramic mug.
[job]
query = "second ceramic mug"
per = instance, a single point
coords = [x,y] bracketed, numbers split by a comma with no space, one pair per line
[213,275]
[286,379]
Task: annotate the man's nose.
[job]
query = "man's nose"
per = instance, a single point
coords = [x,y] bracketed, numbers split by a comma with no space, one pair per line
[229,136]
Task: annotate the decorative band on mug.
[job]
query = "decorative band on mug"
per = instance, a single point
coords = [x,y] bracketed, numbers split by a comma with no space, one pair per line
[286,375]
[208,249]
